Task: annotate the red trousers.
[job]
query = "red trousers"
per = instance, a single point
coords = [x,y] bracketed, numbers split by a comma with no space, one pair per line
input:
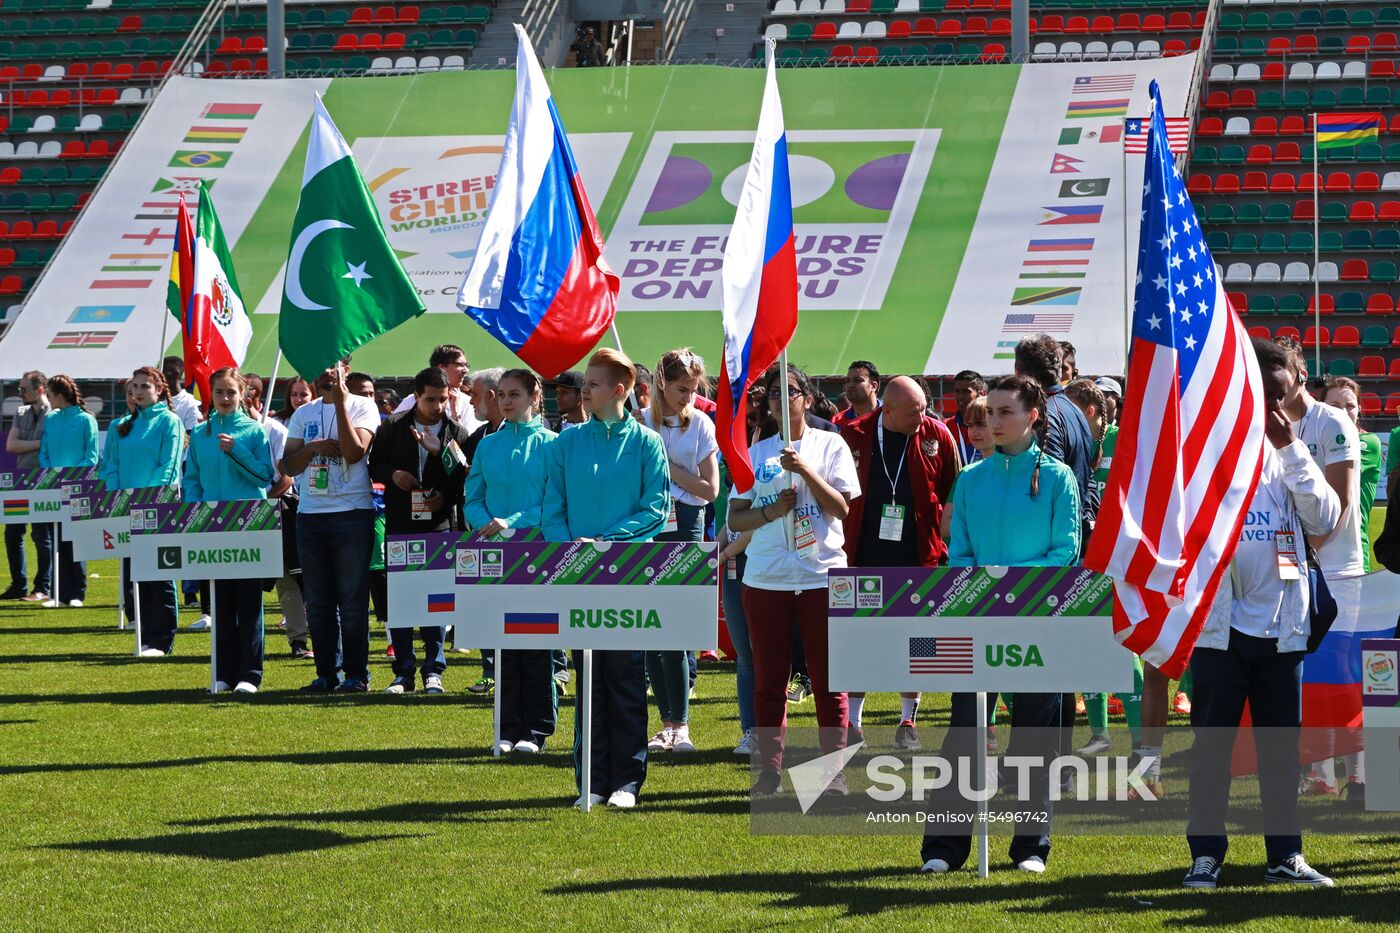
[773,615]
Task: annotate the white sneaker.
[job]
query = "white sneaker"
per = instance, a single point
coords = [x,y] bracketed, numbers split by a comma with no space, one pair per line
[527,747]
[593,800]
[200,625]
[935,866]
[748,745]
[394,689]
[1035,865]
[75,604]
[680,740]
[220,687]
[661,742]
[504,746]
[152,653]
[244,686]
[622,799]
[432,684]
[50,604]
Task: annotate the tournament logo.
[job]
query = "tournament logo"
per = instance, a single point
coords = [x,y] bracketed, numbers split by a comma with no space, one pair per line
[841,593]
[468,562]
[1380,670]
[396,554]
[870,593]
[491,564]
[417,552]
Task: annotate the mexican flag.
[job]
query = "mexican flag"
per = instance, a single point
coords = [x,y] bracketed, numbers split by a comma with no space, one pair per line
[344,285]
[215,325]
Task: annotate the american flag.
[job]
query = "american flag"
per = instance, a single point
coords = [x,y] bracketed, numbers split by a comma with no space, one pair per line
[1104,84]
[1036,323]
[947,655]
[1135,134]
[1191,439]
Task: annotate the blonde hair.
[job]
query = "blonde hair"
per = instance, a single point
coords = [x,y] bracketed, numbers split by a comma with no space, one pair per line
[618,365]
[676,364]
[978,405]
[232,374]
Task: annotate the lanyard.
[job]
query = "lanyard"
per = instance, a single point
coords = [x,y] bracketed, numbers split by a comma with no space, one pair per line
[903,453]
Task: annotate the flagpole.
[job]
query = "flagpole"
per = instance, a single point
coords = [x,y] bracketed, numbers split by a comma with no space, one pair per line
[617,339]
[1317,253]
[1127,272]
[789,535]
[271,386]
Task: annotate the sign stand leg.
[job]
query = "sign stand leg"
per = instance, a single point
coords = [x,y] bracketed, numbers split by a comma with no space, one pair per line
[585,718]
[214,638]
[496,709]
[57,562]
[121,616]
[982,825]
[136,602]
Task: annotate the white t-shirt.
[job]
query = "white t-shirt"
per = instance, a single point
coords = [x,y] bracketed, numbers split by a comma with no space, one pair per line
[436,431]
[771,564]
[276,433]
[1332,438]
[348,484]
[1257,585]
[186,408]
[689,447]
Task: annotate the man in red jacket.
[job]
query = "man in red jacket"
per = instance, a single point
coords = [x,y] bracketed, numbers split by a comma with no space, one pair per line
[907,462]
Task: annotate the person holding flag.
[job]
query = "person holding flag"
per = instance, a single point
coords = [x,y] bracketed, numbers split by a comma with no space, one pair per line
[228,459]
[145,449]
[505,490]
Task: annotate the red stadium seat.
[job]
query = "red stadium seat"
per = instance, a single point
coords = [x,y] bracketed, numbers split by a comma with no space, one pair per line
[1338,181]
[1129,22]
[1242,98]
[842,53]
[1052,24]
[1289,332]
[1288,152]
[394,40]
[255,45]
[387,14]
[974,26]
[1380,304]
[1292,126]
[827,30]
[1101,24]
[73,149]
[1310,181]
[361,15]
[1198,184]
[1218,100]
[130,24]
[857,6]
[7,257]
[9,175]
[231,45]
[1280,45]
[371,41]
[949,29]
[923,27]
[124,71]
[1359,45]
[1227,183]
[1395,339]
[1239,302]
[1347,336]
[1273,71]
[1255,181]
[99,149]
[1320,336]
[1179,22]
[900,29]
[1394,374]
[993,52]
[1390,211]
[349,42]
[1259,154]
[1173,47]
[1076,25]
[1210,126]
[1385,42]
[1392,401]
[1154,22]
[1366,181]
[409,14]
[10,285]
[1355,270]
[1370,403]
[1329,305]
[867,55]
[1382,69]
[1305,44]
[1260,333]
[1362,212]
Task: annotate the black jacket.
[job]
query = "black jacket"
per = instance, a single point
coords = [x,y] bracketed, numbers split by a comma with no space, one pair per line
[395,448]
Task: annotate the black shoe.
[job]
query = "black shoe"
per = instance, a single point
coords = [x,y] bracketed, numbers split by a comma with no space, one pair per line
[1353,796]
[768,784]
[352,686]
[14,592]
[1293,870]
[321,685]
[300,652]
[1204,873]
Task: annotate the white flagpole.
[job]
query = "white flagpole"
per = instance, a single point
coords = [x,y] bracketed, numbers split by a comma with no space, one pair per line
[1317,286]
[496,707]
[271,385]
[57,564]
[1129,264]
[213,638]
[585,720]
[789,533]
[983,830]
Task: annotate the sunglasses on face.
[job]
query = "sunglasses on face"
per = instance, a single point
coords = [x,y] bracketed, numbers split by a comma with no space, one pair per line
[794,392]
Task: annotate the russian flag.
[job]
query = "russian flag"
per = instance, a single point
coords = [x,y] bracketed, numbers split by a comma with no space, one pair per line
[442,602]
[532,623]
[539,283]
[759,278]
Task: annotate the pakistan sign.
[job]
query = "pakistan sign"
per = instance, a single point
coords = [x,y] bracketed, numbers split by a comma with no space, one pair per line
[1041,629]
[234,540]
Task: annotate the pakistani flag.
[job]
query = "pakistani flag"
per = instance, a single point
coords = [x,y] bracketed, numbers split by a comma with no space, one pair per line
[344,286]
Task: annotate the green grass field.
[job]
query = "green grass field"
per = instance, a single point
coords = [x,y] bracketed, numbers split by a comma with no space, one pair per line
[136,801]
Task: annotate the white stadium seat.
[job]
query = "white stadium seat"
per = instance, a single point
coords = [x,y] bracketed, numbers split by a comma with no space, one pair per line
[1293,273]
[775,31]
[7,149]
[54,73]
[1353,70]
[1391,181]
[406,63]
[1070,51]
[1327,271]
[907,6]
[429,63]
[1239,272]
[1043,52]
[1123,49]
[130,95]
[1267,272]
[43,123]
[28,149]
[848,30]
[833,6]
[1237,126]
[90,123]
[785,8]
[1328,71]
[1301,71]
[50,149]
[1247,72]
[809,6]
[1096,51]
[1222,72]
[875,29]
[1149,48]
[454,61]
[381,64]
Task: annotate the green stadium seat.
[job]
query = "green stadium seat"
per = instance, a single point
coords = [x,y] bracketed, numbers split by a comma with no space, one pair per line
[1272,242]
[1292,304]
[1262,304]
[1355,240]
[1256,21]
[800,32]
[917,52]
[816,56]
[1342,366]
[891,55]
[1375,336]
[454,14]
[1219,241]
[1388,16]
[1278,213]
[1334,212]
[1329,242]
[1231,155]
[478,15]
[337,17]
[1205,155]
[1388,239]
[1383,270]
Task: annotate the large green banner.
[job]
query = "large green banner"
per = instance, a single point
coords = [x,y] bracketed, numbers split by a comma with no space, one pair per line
[941,212]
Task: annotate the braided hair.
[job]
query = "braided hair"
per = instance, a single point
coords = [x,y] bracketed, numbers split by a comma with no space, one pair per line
[1029,393]
[162,395]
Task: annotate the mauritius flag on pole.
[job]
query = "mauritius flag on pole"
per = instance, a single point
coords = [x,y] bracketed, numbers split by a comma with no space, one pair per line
[215,324]
[1339,130]
[344,285]
[759,278]
[539,283]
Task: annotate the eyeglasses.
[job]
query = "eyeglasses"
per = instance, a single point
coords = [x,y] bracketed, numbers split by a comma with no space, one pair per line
[794,392]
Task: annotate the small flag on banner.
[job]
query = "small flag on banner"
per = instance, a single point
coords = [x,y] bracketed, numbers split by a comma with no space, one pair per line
[1111,133]
[1340,130]
[1062,164]
[951,654]
[1104,84]
[1071,214]
[442,602]
[1135,134]
[100,314]
[215,134]
[1069,136]
[231,111]
[16,506]
[1061,245]
[1045,295]
[1037,323]
[1090,109]
[202,158]
[532,623]
[82,339]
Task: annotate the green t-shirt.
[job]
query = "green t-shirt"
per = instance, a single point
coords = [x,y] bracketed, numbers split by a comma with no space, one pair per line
[1392,453]
[1100,478]
[1370,479]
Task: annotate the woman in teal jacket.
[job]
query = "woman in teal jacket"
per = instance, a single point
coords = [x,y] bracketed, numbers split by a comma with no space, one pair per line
[1016,508]
[505,490]
[609,480]
[228,458]
[144,449]
[69,440]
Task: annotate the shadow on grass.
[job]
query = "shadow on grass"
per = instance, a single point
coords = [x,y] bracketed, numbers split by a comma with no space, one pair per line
[103,658]
[231,845]
[378,756]
[17,722]
[864,892]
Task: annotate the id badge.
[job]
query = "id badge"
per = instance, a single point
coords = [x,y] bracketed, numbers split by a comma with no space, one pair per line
[731,568]
[891,522]
[1288,566]
[319,481]
[805,538]
[672,525]
[418,499]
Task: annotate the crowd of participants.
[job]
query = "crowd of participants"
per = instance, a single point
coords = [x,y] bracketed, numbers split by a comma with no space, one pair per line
[1014,477]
